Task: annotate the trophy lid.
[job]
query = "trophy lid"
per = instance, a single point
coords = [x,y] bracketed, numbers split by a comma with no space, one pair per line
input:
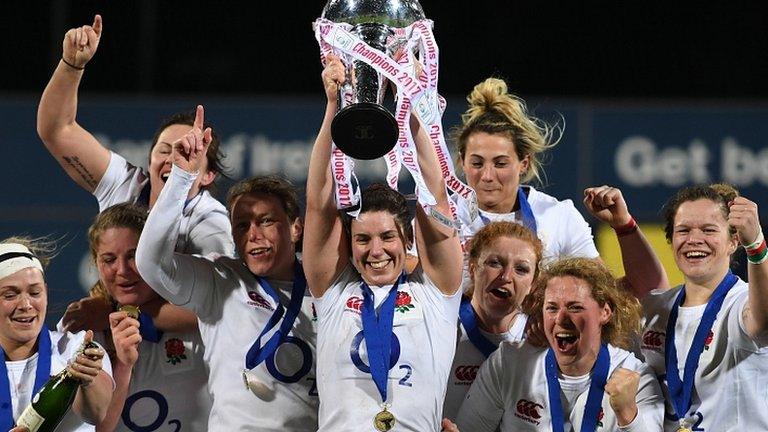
[391,13]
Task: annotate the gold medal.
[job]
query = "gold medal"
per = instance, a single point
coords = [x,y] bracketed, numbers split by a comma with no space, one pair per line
[384,421]
[132,311]
[683,429]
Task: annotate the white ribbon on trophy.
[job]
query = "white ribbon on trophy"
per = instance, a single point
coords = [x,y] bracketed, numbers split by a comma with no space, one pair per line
[413,93]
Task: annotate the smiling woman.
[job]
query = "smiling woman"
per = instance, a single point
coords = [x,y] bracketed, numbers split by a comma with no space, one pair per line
[709,337]
[28,346]
[589,322]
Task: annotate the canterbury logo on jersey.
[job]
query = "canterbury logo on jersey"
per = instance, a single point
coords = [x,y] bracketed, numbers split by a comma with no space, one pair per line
[528,411]
[654,340]
[465,374]
[257,300]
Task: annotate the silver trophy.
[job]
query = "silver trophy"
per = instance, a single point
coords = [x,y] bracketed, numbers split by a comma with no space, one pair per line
[365,129]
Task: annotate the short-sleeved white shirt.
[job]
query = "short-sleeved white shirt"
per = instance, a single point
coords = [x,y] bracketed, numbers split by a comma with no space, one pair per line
[731,381]
[468,360]
[511,393]
[559,226]
[204,227]
[21,375]
[424,326]
[169,385]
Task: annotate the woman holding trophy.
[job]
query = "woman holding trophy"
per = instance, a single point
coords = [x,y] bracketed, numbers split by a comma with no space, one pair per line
[385,338]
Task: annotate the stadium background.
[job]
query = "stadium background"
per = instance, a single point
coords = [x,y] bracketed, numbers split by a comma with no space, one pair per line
[652,97]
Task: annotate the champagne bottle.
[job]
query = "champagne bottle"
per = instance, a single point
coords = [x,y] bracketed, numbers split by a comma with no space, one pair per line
[51,403]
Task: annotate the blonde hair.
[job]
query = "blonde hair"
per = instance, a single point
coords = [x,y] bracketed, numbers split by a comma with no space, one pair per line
[123,215]
[624,324]
[493,110]
[43,248]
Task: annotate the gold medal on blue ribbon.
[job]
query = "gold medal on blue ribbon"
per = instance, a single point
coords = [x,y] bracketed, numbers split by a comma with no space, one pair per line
[384,420]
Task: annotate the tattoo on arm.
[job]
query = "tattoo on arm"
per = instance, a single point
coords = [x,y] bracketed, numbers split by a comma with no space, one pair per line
[78,166]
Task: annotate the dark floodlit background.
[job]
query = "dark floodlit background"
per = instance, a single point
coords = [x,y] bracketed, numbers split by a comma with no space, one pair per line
[652,96]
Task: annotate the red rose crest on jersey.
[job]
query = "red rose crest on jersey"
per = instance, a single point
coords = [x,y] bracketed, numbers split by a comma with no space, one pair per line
[708,340]
[600,416]
[403,302]
[354,304]
[653,340]
[175,351]
[257,300]
[528,411]
[465,374]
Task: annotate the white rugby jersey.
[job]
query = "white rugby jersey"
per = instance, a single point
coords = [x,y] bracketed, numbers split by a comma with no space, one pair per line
[232,310]
[204,226]
[731,381]
[511,393]
[467,362]
[169,385]
[21,375]
[425,329]
[560,227]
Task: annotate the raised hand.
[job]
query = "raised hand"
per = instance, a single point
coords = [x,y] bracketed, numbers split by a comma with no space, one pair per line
[189,151]
[607,204]
[333,76]
[80,43]
[622,389]
[125,336]
[90,313]
[744,218]
[87,365]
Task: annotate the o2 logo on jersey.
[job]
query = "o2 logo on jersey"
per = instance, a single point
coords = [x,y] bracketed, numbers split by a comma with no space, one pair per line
[528,411]
[305,365]
[394,356]
[465,374]
[145,396]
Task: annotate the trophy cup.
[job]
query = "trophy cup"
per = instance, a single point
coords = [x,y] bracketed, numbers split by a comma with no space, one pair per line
[364,128]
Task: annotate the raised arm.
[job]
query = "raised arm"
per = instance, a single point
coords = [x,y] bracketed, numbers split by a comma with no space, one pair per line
[325,248]
[643,269]
[744,217]
[175,276]
[83,158]
[437,244]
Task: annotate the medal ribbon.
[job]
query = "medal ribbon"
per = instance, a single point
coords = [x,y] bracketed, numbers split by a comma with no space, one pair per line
[258,353]
[469,321]
[594,397]
[42,374]
[680,391]
[377,331]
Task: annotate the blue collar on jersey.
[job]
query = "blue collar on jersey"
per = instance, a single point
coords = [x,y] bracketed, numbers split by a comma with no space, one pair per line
[526,212]
[469,322]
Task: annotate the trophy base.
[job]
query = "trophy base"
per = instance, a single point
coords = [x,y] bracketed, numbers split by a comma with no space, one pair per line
[364,131]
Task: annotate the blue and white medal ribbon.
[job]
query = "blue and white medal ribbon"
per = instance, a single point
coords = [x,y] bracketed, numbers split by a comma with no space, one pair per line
[681,391]
[594,397]
[377,331]
[258,352]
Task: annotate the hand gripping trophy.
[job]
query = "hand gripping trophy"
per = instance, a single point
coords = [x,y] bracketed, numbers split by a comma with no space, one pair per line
[384,43]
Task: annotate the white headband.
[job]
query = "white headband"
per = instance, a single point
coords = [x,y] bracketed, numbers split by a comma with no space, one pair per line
[15,257]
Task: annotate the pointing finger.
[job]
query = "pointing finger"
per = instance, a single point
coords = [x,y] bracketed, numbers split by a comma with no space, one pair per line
[199,117]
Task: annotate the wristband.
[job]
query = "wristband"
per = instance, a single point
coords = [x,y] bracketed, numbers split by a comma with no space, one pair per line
[627,228]
[71,65]
[756,244]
